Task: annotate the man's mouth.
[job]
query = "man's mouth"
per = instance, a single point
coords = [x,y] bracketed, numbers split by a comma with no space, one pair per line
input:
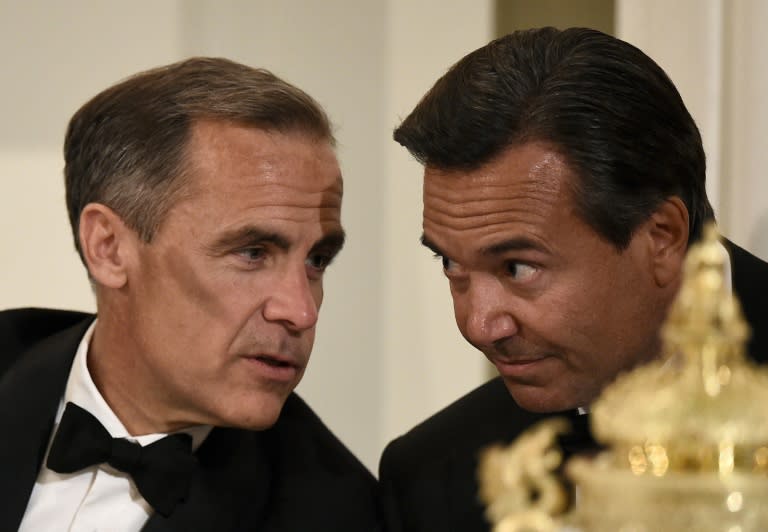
[275,367]
[276,362]
[518,368]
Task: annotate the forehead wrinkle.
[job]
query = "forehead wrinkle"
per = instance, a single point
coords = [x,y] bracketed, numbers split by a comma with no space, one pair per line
[282,195]
[284,209]
[326,216]
[456,189]
[303,183]
[276,172]
[530,206]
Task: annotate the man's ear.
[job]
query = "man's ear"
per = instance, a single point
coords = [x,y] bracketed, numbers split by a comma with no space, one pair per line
[668,233]
[106,243]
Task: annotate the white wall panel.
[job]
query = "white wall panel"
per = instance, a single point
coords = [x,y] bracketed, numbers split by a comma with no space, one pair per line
[716,52]
[388,352]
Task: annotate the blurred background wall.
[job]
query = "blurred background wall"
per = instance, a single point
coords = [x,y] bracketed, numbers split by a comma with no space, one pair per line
[388,353]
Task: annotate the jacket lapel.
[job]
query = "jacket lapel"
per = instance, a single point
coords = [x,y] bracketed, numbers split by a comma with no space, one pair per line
[230,488]
[750,275]
[308,490]
[30,392]
[276,480]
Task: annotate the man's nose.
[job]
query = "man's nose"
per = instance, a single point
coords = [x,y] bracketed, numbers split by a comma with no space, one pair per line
[293,301]
[489,314]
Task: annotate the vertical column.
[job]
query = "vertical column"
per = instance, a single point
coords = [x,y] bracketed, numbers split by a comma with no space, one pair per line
[716,52]
[745,131]
[57,56]
[685,38]
[427,363]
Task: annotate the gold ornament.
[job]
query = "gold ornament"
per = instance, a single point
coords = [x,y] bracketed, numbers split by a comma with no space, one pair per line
[687,434]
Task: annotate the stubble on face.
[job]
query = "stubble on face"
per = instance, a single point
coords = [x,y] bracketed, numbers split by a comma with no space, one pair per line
[554,305]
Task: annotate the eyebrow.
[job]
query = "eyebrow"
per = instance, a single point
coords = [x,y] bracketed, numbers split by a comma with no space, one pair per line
[512,244]
[251,235]
[426,242]
[332,242]
[248,235]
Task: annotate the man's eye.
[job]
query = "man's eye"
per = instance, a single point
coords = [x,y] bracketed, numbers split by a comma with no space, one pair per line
[521,271]
[448,265]
[319,261]
[252,254]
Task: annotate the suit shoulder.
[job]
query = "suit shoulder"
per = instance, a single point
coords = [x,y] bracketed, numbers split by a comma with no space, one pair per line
[22,328]
[488,404]
[305,450]
[486,415]
[748,273]
[28,325]
[301,424]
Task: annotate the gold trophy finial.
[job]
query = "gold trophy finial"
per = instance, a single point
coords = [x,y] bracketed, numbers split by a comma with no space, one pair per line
[687,434]
[705,324]
[702,391]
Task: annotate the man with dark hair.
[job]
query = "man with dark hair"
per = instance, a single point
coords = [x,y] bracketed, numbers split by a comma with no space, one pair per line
[564,179]
[204,199]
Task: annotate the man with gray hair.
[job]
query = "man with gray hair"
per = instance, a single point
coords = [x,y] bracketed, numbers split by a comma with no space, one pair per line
[204,199]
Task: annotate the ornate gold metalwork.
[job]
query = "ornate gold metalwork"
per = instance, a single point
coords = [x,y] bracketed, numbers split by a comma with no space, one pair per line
[518,483]
[687,434]
[701,406]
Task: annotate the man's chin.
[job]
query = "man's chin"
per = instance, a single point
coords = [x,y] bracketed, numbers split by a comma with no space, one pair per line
[258,413]
[538,399]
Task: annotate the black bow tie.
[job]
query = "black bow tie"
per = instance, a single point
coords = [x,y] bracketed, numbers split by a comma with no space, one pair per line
[161,470]
[579,438]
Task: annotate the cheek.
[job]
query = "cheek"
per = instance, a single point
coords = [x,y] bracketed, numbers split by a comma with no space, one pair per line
[318,293]
[460,310]
[569,316]
[214,310]
[463,316]
[309,341]
[191,281]
[606,323]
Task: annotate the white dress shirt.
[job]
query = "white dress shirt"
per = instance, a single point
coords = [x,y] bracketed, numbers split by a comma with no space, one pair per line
[98,498]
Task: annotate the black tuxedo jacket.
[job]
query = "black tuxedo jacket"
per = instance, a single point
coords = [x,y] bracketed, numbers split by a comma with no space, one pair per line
[428,476]
[294,477]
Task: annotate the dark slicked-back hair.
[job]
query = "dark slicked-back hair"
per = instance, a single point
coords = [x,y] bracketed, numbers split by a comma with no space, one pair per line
[126,147]
[600,102]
